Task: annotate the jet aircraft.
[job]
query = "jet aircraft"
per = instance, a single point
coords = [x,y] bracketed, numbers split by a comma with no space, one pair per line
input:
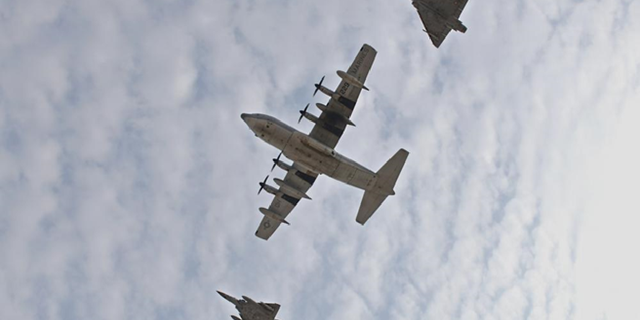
[439,17]
[251,310]
[314,154]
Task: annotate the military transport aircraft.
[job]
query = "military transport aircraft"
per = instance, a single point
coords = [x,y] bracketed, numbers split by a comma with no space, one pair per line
[251,310]
[439,17]
[314,154]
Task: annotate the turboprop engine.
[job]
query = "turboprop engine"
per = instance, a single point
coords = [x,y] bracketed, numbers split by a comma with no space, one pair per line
[307,115]
[281,164]
[325,90]
[269,189]
[351,80]
[264,186]
[270,214]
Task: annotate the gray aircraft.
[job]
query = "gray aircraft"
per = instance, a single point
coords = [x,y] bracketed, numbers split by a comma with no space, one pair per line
[314,154]
[251,310]
[439,17]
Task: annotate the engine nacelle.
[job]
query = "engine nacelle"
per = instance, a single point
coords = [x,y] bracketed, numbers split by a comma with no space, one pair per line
[322,107]
[284,187]
[328,92]
[351,80]
[282,165]
[269,189]
[235,318]
[272,215]
[311,117]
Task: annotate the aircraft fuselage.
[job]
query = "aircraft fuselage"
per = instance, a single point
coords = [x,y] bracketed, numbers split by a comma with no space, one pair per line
[249,309]
[309,153]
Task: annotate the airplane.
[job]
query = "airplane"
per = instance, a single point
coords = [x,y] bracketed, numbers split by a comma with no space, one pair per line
[251,310]
[314,154]
[439,17]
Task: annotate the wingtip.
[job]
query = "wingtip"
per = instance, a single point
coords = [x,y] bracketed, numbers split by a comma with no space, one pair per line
[366,45]
[259,237]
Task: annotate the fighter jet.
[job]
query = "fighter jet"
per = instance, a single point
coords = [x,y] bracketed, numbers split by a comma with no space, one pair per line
[439,17]
[251,310]
[314,154]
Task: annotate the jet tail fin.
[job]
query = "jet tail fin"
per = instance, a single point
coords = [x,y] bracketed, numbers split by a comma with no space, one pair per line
[274,308]
[387,177]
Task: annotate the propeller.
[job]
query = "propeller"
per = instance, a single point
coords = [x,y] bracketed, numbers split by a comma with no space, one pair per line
[262,184]
[318,85]
[275,161]
[302,112]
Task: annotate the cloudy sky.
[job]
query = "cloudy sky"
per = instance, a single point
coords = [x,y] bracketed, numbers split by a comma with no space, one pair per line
[128,180]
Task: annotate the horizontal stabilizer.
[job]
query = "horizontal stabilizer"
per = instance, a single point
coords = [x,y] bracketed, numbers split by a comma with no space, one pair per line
[387,177]
[370,203]
[274,308]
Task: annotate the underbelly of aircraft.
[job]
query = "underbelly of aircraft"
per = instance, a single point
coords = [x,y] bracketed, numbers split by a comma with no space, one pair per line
[324,160]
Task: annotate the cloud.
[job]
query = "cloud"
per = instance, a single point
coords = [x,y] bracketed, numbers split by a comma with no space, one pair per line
[128,179]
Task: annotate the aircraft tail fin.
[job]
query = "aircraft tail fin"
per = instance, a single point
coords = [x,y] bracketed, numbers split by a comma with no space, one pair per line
[274,308]
[387,177]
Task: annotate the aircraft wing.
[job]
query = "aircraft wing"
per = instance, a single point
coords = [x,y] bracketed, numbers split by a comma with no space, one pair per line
[332,121]
[432,19]
[458,6]
[282,203]
[434,27]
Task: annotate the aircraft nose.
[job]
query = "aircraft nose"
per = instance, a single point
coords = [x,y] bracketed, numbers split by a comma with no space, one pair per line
[250,120]
[227,297]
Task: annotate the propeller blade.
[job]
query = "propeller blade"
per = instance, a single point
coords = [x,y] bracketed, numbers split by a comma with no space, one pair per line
[275,161]
[262,184]
[302,112]
[318,85]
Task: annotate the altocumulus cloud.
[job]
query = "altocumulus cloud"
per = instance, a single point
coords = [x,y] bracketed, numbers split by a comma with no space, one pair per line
[128,180]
